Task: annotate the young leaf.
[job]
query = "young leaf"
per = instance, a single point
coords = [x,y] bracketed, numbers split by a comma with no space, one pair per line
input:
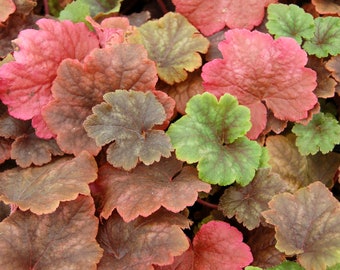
[80,86]
[247,203]
[262,73]
[290,21]
[306,225]
[326,6]
[213,134]
[320,134]
[64,239]
[7,8]
[137,245]
[212,16]
[326,38]
[41,189]
[174,44]
[128,118]
[26,83]
[146,188]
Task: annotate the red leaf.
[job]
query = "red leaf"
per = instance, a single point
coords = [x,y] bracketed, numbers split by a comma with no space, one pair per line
[263,73]
[212,16]
[26,83]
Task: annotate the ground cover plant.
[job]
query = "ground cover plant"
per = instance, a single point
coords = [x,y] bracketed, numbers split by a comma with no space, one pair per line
[162,135]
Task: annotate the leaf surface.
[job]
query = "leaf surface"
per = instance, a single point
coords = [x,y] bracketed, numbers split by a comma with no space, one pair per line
[174,44]
[262,73]
[306,225]
[287,265]
[80,86]
[212,133]
[26,86]
[146,188]
[326,6]
[247,203]
[41,189]
[128,118]
[7,8]
[212,16]
[142,242]
[64,239]
[5,149]
[333,65]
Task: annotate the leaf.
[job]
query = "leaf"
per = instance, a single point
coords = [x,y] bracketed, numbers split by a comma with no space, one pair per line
[333,65]
[174,44]
[326,6]
[215,244]
[41,189]
[75,11]
[322,133]
[326,38]
[5,149]
[128,119]
[290,21]
[138,244]
[263,74]
[287,265]
[306,225]
[26,82]
[100,8]
[247,203]
[146,188]
[7,8]
[4,211]
[80,86]
[213,134]
[211,16]
[298,170]
[64,239]
[184,261]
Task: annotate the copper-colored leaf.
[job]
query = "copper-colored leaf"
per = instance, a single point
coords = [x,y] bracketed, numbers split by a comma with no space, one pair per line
[64,239]
[333,65]
[5,149]
[41,189]
[7,8]
[11,127]
[327,6]
[146,188]
[138,244]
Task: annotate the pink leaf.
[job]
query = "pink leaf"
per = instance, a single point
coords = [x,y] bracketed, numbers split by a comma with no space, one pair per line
[26,83]
[263,74]
[212,16]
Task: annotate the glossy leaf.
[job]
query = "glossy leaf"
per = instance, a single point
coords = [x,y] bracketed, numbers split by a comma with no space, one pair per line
[247,203]
[26,83]
[128,118]
[64,239]
[322,133]
[174,44]
[7,8]
[290,21]
[240,14]
[326,38]
[138,244]
[146,188]
[212,133]
[41,189]
[311,233]
[80,86]
[263,74]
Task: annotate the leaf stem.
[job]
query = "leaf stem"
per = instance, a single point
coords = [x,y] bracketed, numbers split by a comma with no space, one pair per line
[46,8]
[208,204]
[162,6]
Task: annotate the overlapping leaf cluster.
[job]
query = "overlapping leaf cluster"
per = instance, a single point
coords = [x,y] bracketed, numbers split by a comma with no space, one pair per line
[128,143]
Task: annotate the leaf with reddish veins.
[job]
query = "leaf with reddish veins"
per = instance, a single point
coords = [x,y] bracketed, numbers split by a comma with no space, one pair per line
[307,225]
[80,86]
[326,6]
[137,245]
[7,8]
[41,189]
[146,188]
[212,16]
[26,82]
[64,239]
[262,73]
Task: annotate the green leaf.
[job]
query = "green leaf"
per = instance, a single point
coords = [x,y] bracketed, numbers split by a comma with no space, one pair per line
[287,265]
[75,12]
[128,118]
[253,268]
[290,21]
[320,134]
[213,134]
[326,38]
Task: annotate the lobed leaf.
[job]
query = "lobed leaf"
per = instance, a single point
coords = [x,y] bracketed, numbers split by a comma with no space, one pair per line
[212,133]
[174,44]
[289,21]
[306,225]
[146,188]
[326,6]
[326,38]
[322,133]
[41,189]
[263,74]
[75,11]
[64,239]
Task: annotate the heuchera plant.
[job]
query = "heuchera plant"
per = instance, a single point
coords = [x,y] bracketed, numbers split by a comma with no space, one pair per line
[193,135]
